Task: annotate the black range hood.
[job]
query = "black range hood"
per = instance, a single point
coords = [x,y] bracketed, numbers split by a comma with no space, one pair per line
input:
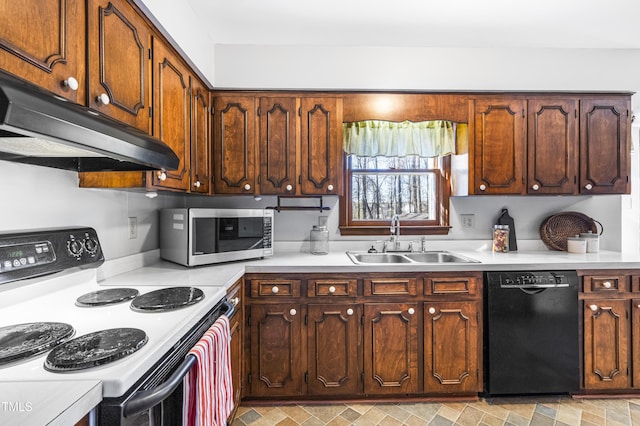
[38,127]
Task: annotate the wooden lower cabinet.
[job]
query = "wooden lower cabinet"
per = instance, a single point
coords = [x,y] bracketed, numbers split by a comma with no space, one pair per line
[391,348]
[606,344]
[277,351]
[234,295]
[333,341]
[451,347]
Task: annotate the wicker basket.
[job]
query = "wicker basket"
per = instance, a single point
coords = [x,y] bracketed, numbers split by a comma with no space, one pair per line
[556,228]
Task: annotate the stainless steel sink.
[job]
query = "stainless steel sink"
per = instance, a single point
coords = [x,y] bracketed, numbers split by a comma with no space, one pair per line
[406,258]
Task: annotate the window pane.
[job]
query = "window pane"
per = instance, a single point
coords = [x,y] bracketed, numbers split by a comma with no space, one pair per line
[390,163]
[378,196]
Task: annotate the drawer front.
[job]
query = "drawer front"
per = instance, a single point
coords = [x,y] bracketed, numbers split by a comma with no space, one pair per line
[390,287]
[451,285]
[333,288]
[605,283]
[275,288]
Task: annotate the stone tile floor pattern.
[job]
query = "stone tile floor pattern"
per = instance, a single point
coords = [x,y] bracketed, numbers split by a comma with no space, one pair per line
[542,411]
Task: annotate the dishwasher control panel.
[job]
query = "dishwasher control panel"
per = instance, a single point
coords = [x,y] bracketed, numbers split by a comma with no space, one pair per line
[535,279]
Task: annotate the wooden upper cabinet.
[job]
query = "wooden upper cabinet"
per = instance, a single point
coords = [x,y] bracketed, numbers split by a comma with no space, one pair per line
[119,46]
[277,142]
[320,146]
[499,146]
[171,122]
[605,145]
[234,144]
[200,141]
[552,144]
[43,41]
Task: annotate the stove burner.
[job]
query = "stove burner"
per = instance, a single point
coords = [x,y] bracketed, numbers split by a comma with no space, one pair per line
[94,349]
[167,299]
[106,297]
[21,341]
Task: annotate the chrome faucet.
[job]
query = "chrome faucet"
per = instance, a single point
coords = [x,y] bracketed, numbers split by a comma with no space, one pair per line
[395,231]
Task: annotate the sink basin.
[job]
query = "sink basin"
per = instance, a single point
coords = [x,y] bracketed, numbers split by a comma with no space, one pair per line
[439,257]
[377,258]
[408,258]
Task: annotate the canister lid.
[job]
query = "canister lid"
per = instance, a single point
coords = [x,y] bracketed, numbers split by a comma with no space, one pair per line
[588,234]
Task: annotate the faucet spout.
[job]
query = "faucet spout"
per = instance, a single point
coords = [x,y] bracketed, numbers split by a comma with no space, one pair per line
[395,231]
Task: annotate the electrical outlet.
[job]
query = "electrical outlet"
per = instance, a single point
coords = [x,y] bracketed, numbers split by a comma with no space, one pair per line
[468,220]
[133,228]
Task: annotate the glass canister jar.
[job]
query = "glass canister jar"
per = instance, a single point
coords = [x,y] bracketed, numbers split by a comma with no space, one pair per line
[593,241]
[319,238]
[501,238]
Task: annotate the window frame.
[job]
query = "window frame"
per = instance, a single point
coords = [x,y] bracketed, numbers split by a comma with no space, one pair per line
[440,226]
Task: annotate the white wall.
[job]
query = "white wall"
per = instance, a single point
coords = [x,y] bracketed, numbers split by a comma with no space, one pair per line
[40,197]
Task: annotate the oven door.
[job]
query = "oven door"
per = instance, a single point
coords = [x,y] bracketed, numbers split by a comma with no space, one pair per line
[156,399]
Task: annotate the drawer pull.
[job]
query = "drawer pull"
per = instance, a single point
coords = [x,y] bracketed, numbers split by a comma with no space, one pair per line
[606,284]
[71,83]
[275,289]
[332,289]
[349,311]
[593,307]
[432,311]
[411,311]
[293,312]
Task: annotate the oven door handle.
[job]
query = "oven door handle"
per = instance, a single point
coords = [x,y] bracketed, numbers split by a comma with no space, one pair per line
[144,400]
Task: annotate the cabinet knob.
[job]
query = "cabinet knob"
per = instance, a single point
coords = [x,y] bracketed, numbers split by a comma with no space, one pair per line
[235,301]
[71,83]
[330,187]
[275,289]
[593,307]
[535,187]
[411,311]
[349,311]
[332,289]
[197,184]
[161,176]
[293,312]
[247,187]
[432,311]
[588,187]
[607,284]
[103,99]
[483,187]
[289,187]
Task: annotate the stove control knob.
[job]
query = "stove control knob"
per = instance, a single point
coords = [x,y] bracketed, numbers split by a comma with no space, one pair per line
[74,247]
[91,245]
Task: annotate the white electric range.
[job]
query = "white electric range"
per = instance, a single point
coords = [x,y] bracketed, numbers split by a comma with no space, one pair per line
[53,298]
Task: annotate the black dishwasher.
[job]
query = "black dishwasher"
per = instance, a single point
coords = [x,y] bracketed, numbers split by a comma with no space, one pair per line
[531,332]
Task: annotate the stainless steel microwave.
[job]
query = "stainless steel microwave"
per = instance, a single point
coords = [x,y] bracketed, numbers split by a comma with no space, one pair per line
[201,236]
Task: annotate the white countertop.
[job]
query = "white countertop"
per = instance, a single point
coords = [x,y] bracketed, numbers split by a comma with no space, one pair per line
[47,403]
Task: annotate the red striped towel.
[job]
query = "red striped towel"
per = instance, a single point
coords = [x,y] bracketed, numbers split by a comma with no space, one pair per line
[208,387]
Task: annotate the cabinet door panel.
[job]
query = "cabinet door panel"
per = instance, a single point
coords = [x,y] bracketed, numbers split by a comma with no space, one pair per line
[333,344]
[200,141]
[552,145]
[635,339]
[278,125]
[606,349]
[451,347]
[320,147]
[119,43]
[234,138]
[500,146]
[276,350]
[390,348]
[43,41]
[172,103]
[604,146]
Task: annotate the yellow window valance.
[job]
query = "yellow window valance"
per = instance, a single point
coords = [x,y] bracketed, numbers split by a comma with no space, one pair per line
[373,138]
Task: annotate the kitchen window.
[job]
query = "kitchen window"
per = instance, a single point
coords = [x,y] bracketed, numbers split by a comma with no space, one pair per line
[397,168]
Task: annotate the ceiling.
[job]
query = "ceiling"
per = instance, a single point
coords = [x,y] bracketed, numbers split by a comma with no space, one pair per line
[425,23]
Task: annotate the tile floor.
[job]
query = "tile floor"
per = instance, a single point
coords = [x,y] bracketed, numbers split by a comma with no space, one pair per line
[519,411]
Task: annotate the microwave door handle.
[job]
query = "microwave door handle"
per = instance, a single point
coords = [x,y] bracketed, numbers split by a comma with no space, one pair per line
[144,400]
